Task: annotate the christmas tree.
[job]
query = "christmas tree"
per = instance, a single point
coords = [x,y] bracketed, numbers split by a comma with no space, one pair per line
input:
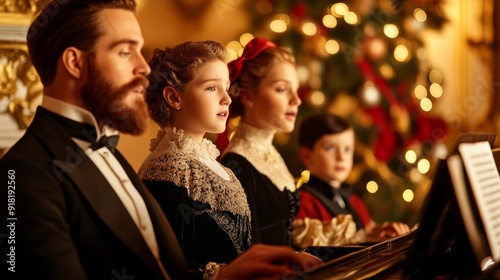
[365,60]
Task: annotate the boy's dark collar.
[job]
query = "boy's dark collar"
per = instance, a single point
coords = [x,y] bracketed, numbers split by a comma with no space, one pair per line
[326,189]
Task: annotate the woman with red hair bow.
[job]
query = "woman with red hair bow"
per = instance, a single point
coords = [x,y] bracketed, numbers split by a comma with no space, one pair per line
[264,84]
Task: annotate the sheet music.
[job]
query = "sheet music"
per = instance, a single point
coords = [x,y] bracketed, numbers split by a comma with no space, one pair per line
[485,183]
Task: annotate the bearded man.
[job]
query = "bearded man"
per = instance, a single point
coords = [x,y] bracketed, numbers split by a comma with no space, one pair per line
[76,208]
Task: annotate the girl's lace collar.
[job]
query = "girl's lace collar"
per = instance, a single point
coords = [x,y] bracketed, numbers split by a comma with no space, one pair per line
[256,145]
[257,136]
[171,135]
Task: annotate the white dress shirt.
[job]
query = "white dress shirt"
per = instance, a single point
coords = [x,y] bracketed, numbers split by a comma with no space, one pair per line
[112,170]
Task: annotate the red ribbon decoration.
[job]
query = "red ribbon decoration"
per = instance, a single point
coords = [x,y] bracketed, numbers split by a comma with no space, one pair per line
[251,50]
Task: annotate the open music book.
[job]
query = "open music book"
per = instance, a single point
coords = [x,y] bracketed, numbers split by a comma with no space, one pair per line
[476,182]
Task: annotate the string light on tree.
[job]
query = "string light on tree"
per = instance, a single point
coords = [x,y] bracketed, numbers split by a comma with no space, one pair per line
[408,195]
[370,94]
[245,38]
[332,46]
[339,10]
[351,18]
[391,30]
[372,187]
[377,48]
[411,156]
[309,28]
[329,21]
[317,98]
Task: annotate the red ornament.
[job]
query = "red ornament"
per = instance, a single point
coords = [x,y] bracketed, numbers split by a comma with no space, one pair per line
[299,10]
[386,145]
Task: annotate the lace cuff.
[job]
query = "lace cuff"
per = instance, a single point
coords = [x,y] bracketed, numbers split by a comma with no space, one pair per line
[212,269]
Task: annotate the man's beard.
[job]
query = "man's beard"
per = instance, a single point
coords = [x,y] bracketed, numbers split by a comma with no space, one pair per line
[107,103]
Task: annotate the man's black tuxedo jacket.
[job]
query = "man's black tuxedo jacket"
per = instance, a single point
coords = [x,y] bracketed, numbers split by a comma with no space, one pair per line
[70,223]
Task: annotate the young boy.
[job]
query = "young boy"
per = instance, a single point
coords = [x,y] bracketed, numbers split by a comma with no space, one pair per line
[326,202]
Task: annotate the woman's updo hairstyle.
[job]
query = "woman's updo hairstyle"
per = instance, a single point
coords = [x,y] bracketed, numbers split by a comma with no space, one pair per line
[246,72]
[175,67]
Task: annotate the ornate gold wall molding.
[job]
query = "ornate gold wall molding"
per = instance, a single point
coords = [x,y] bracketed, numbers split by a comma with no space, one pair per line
[21,7]
[19,83]
[20,86]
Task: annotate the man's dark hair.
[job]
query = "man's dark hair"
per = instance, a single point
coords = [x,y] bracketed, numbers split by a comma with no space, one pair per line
[314,127]
[66,23]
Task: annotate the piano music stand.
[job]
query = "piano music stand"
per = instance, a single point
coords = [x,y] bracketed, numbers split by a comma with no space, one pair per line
[442,247]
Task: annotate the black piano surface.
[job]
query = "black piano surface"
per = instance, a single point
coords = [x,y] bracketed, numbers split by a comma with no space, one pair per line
[379,261]
[391,259]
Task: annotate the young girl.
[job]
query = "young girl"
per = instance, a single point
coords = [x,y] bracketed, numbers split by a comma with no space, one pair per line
[203,200]
[264,84]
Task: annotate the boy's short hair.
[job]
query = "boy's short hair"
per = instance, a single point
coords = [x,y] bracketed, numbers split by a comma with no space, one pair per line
[314,127]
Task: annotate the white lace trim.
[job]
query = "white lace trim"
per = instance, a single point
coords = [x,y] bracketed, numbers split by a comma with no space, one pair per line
[175,158]
[256,145]
[173,136]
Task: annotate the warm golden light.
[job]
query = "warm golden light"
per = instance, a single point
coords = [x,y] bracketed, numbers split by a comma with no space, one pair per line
[391,30]
[282,138]
[440,151]
[408,195]
[420,15]
[283,17]
[387,71]
[303,73]
[411,156]
[351,18]
[426,104]
[415,175]
[234,45]
[245,38]
[232,55]
[421,53]
[309,28]
[420,91]
[435,76]
[372,187]
[401,53]
[317,98]
[370,95]
[278,26]
[339,9]
[436,90]
[423,166]
[332,46]
[234,122]
[329,21]
[234,48]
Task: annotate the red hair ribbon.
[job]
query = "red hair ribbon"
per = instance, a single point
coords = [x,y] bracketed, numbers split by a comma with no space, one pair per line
[251,50]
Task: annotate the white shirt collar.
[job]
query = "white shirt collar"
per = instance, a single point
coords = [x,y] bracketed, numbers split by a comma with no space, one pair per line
[75,113]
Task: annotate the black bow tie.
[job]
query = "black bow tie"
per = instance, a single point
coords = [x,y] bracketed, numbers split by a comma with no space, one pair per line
[106,141]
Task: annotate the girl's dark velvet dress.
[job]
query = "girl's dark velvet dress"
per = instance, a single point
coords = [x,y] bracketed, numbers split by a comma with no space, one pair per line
[269,186]
[208,213]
